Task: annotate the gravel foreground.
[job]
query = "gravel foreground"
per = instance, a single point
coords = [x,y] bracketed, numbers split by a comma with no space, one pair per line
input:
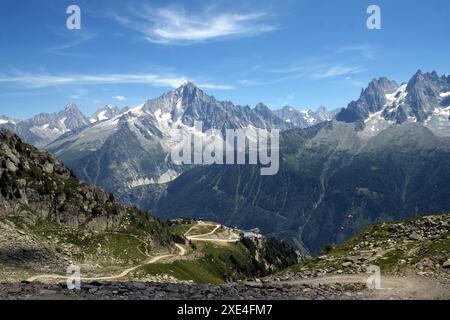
[302,289]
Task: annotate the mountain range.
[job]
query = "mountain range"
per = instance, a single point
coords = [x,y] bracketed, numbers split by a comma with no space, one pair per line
[46,127]
[122,149]
[383,157]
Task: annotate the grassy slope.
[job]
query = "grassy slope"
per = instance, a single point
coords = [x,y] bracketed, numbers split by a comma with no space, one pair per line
[122,246]
[215,264]
[112,251]
[395,253]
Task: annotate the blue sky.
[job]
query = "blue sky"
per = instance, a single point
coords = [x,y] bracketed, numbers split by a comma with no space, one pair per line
[304,53]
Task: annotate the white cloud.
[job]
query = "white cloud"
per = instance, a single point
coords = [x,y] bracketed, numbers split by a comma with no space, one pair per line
[247,82]
[75,40]
[355,82]
[78,94]
[43,80]
[368,51]
[119,98]
[272,80]
[289,69]
[215,86]
[313,68]
[48,80]
[172,25]
[338,70]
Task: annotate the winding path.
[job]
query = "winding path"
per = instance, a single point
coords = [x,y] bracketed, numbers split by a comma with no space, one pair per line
[204,237]
[151,260]
[117,276]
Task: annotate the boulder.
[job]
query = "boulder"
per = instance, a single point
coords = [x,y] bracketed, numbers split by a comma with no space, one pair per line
[446,264]
[48,168]
[10,166]
[415,236]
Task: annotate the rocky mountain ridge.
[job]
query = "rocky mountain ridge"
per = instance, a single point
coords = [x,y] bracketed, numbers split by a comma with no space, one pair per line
[424,99]
[36,186]
[46,127]
[305,118]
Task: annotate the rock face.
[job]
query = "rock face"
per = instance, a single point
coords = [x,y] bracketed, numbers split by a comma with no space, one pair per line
[372,100]
[35,186]
[424,99]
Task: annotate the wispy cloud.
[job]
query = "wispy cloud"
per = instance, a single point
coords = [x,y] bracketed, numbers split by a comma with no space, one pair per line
[367,51]
[119,98]
[77,38]
[338,70]
[79,94]
[288,69]
[355,82]
[42,80]
[173,25]
[340,62]
[313,70]
[272,80]
[215,86]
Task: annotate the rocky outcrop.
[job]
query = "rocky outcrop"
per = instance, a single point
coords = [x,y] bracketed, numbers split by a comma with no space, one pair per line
[35,186]
[419,246]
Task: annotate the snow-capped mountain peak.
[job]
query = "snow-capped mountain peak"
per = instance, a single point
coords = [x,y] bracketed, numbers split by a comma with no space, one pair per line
[5,120]
[71,118]
[393,100]
[424,99]
[188,89]
[46,127]
[105,113]
[71,107]
[187,84]
[306,117]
